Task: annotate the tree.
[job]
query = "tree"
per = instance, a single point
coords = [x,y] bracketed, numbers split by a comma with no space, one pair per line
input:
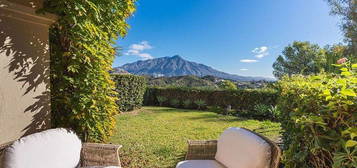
[227,84]
[347,9]
[82,53]
[300,58]
[333,53]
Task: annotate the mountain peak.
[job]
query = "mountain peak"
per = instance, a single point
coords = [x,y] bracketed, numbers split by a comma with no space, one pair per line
[177,66]
[176,57]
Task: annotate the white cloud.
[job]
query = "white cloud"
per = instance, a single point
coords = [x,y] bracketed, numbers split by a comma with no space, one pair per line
[145,56]
[144,45]
[260,52]
[244,69]
[248,60]
[137,50]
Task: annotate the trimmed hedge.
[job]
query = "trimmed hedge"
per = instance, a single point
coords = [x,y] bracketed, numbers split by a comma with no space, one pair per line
[241,101]
[319,119]
[130,89]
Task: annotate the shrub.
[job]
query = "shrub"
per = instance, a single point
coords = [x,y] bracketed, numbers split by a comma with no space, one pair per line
[274,112]
[216,109]
[174,102]
[261,110]
[200,104]
[161,100]
[82,53]
[227,84]
[240,100]
[187,103]
[318,116]
[130,89]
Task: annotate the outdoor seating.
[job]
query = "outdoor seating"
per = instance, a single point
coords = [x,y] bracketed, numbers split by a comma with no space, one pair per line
[58,148]
[236,148]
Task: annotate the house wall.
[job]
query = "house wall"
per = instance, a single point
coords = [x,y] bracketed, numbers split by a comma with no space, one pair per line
[24,71]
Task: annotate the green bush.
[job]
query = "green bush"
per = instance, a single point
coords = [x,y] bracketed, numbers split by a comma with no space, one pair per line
[318,116]
[175,102]
[240,100]
[274,112]
[130,89]
[216,109]
[161,100]
[200,104]
[187,103]
[261,110]
[227,84]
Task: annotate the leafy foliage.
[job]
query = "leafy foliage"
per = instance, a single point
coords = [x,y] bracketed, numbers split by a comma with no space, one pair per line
[227,84]
[347,10]
[200,103]
[161,100]
[299,58]
[261,110]
[82,52]
[319,116]
[175,102]
[239,100]
[130,89]
[187,103]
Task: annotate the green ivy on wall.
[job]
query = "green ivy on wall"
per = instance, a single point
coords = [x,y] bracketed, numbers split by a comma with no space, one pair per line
[82,52]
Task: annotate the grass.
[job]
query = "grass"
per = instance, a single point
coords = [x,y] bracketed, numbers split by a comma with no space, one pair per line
[154,137]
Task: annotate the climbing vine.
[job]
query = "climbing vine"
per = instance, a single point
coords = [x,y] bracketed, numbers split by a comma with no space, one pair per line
[82,52]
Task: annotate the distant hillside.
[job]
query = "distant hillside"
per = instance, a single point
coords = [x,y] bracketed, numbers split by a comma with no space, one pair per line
[119,71]
[181,81]
[177,66]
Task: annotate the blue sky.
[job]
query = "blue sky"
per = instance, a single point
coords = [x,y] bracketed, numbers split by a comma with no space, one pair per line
[241,37]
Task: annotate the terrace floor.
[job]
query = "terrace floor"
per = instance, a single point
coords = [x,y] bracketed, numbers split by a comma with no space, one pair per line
[156,137]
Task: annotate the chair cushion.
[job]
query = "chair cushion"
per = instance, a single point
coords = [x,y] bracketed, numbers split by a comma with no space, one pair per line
[55,148]
[199,164]
[240,148]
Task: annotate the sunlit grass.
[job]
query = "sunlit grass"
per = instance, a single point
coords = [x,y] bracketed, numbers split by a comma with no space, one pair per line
[154,137]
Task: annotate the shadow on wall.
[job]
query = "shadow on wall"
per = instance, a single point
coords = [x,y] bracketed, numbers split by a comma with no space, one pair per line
[29,65]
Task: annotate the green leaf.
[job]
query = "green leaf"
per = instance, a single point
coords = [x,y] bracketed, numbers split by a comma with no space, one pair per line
[350,143]
[354,65]
[344,69]
[346,73]
[348,92]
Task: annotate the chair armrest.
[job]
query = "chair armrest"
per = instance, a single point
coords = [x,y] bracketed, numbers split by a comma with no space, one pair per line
[201,150]
[95,154]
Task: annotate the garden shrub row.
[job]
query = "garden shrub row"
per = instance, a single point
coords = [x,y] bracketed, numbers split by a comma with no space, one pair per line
[236,102]
[130,89]
[318,116]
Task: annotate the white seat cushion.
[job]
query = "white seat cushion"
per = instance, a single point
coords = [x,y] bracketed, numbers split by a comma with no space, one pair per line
[239,148]
[55,148]
[199,164]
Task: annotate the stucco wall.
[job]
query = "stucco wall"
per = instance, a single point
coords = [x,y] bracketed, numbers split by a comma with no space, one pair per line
[24,71]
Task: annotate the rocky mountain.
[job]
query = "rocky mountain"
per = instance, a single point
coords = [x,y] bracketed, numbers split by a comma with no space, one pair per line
[177,66]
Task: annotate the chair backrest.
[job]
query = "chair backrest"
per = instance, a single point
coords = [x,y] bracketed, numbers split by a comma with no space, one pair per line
[239,147]
[54,148]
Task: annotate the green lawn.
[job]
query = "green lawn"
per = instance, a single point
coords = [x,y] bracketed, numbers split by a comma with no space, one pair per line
[156,137]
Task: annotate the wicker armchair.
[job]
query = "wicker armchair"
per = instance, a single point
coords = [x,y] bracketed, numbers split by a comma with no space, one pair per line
[206,150]
[91,154]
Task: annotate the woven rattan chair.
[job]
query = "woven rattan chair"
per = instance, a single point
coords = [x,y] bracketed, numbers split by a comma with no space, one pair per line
[91,155]
[207,149]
